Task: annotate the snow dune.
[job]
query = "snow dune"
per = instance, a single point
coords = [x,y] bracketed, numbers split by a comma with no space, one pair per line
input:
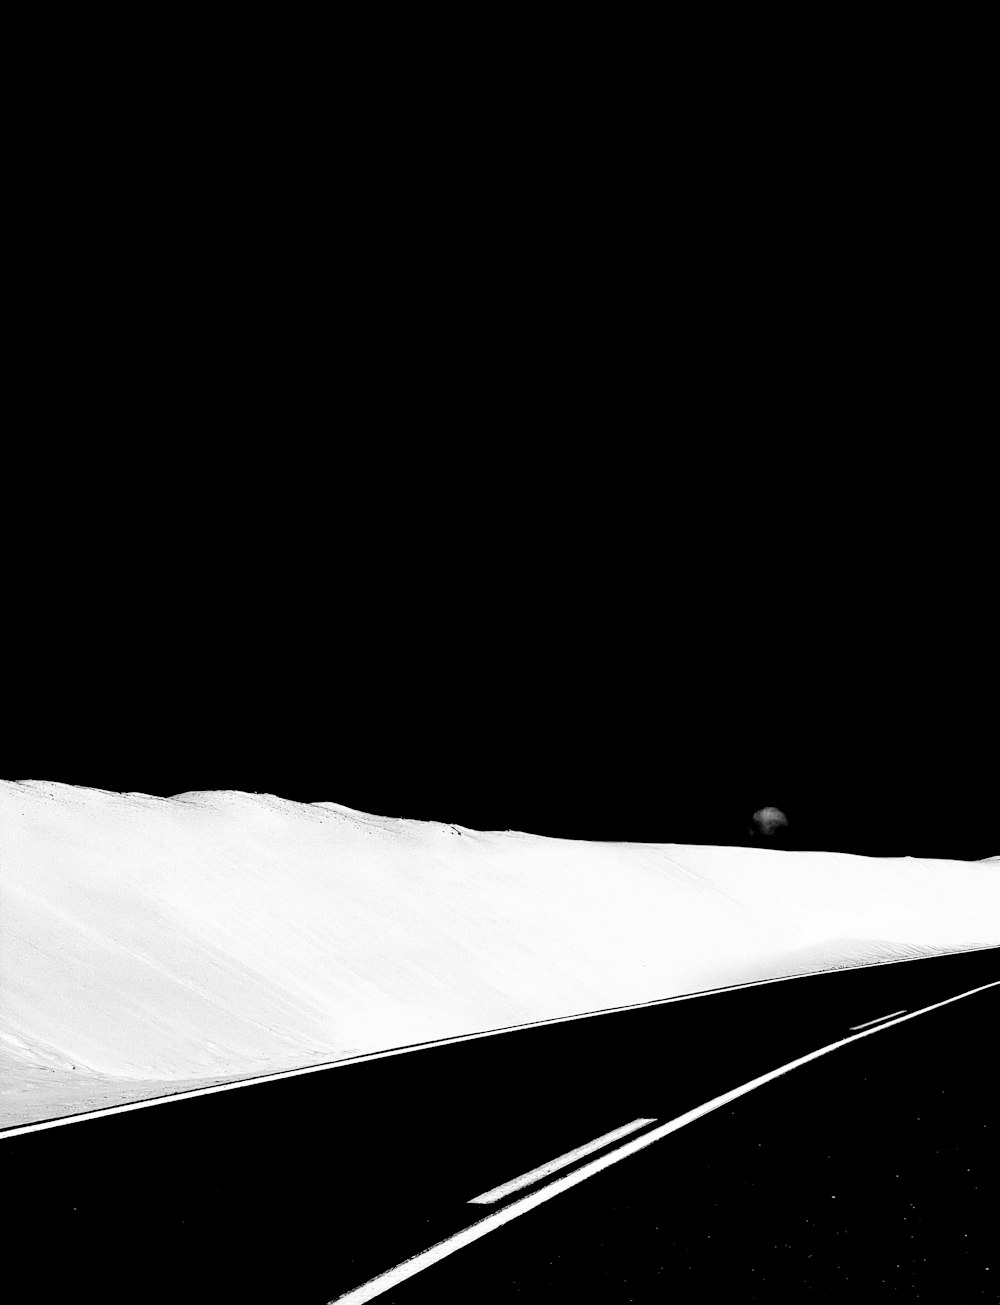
[150,941]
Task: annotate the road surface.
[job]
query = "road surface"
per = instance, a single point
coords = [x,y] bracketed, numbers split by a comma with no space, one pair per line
[306,1189]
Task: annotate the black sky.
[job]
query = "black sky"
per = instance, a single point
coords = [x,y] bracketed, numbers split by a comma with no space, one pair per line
[514,469]
[604,645]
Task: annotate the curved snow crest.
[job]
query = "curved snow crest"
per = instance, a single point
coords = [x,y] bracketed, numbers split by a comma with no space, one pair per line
[235,799]
[225,933]
[212,799]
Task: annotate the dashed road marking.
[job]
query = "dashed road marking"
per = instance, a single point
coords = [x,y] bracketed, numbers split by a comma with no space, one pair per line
[868,1023]
[560,1162]
[409,1268]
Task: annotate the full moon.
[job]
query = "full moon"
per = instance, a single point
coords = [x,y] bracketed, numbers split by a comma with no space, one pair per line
[768,822]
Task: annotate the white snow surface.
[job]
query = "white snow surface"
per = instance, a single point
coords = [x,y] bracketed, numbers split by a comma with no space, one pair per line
[153,940]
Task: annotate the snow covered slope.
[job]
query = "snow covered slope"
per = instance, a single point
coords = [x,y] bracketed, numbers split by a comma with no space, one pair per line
[219,934]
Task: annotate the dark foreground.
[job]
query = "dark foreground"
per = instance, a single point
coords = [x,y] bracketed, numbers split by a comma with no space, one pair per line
[870,1172]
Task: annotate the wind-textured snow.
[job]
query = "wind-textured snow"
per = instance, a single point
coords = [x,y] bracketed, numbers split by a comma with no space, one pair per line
[150,940]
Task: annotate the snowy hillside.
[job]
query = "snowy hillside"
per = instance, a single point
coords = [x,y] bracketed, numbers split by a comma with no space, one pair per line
[218,934]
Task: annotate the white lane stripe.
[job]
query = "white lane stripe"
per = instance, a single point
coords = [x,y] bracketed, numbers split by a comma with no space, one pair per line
[560,1162]
[385,1281]
[441,1042]
[868,1023]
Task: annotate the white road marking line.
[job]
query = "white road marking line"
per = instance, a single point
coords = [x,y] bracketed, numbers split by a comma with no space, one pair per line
[560,1162]
[409,1268]
[438,1042]
[868,1023]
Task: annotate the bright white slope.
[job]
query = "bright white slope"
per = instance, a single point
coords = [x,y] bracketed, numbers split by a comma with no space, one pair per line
[220,934]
